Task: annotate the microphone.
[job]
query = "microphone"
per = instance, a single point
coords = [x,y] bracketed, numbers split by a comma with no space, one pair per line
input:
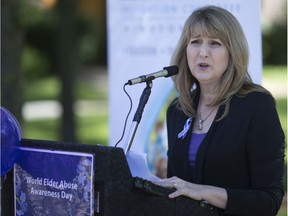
[166,72]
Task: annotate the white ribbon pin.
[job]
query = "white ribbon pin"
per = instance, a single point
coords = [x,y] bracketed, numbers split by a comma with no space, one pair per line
[183,133]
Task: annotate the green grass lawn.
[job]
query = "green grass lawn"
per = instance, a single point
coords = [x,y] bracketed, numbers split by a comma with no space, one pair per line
[94,128]
[283,210]
[276,78]
[277,75]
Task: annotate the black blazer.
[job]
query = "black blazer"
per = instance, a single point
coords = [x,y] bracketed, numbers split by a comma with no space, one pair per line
[243,153]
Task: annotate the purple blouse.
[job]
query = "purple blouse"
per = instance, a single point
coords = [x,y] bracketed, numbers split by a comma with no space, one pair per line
[195,142]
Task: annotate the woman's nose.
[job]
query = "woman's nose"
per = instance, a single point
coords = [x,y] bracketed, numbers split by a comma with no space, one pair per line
[204,51]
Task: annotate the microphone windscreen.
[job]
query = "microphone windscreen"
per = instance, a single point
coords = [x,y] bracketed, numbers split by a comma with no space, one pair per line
[172,70]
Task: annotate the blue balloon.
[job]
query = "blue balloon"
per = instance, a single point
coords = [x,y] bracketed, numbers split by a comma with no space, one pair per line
[10,140]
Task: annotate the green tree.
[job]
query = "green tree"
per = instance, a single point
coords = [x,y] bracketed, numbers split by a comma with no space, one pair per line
[11,51]
[11,81]
[66,65]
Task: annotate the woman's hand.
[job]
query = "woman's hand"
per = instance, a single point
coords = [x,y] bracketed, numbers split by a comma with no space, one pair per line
[182,187]
[214,195]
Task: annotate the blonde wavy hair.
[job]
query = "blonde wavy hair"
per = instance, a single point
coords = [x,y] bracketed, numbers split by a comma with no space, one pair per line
[218,23]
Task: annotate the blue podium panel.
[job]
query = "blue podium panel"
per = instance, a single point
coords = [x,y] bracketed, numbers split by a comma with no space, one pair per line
[48,182]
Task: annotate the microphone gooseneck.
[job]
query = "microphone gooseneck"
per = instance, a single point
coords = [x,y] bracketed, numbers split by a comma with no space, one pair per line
[166,72]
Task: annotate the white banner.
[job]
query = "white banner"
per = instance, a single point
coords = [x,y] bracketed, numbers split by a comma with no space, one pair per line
[142,35]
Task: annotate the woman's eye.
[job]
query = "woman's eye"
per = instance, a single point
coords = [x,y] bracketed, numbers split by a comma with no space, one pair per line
[195,42]
[215,43]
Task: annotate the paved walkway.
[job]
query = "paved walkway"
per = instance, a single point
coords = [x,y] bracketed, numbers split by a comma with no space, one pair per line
[278,90]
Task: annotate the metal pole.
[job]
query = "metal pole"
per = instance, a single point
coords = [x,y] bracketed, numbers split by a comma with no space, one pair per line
[138,115]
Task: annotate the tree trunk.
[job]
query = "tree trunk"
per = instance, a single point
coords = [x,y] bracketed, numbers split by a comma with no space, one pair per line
[11,80]
[66,65]
[11,52]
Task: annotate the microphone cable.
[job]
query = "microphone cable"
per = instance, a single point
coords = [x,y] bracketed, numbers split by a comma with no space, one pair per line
[125,124]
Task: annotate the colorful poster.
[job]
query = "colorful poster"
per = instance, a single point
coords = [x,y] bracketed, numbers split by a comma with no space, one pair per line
[53,183]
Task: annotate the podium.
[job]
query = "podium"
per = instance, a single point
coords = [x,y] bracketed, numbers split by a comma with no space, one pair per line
[114,186]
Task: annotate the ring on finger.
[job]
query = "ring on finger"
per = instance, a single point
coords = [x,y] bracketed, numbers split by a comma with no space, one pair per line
[174,184]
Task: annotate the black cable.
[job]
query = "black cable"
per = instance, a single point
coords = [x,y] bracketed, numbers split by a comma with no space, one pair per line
[131,105]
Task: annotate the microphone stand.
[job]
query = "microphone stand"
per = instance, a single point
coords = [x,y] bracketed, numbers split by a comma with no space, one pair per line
[138,114]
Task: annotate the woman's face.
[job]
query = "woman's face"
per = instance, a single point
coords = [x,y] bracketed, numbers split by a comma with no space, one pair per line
[207,58]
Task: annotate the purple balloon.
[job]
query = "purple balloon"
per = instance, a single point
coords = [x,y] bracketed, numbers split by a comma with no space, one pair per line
[10,140]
